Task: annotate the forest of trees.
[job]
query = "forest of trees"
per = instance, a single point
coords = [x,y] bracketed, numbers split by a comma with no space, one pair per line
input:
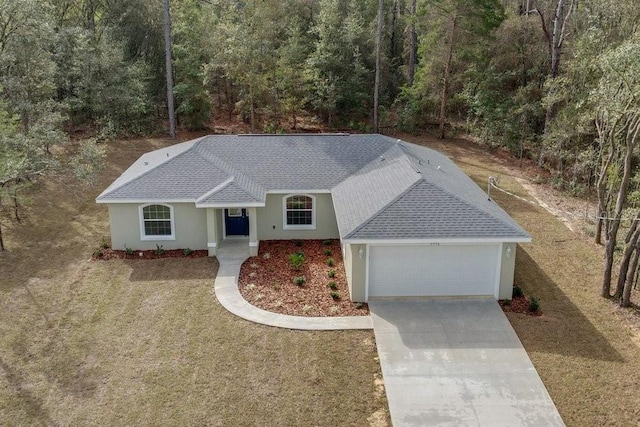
[556,81]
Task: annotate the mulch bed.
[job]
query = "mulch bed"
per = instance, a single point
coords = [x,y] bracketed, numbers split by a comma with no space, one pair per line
[108,254]
[519,304]
[267,280]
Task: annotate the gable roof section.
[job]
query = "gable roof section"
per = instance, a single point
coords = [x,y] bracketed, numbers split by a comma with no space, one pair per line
[228,195]
[426,211]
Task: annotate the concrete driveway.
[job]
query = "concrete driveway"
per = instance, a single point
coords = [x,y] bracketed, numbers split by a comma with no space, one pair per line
[457,362]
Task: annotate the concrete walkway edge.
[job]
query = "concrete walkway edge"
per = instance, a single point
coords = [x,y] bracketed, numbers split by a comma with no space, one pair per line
[227,292]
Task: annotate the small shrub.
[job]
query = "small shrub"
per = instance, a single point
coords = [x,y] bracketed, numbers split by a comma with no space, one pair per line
[331,274]
[253,265]
[98,253]
[334,309]
[358,305]
[326,242]
[187,251]
[266,255]
[327,252]
[258,297]
[276,286]
[517,292]
[335,295]
[534,304]
[128,250]
[253,274]
[307,308]
[333,285]
[104,244]
[296,261]
[251,286]
[159,250]
[331,262]
[300,280]
[506,302]
[298,243]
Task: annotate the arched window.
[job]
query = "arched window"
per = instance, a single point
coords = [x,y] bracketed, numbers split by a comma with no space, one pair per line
[299,212]
[156,222]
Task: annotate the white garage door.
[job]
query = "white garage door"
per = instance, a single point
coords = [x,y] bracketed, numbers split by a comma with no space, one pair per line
[445,270]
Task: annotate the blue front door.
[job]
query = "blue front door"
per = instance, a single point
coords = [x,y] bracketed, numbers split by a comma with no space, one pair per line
[236,222]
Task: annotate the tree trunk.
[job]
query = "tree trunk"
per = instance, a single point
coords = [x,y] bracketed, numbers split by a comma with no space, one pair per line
[413,44]
[445,80]
[631,241]
[598,233]
[169,69]
[601,184]
[630,279]
[611,235]
[376,86]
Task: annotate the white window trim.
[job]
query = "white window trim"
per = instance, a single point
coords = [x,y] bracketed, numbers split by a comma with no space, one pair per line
[286,226]
[171,220]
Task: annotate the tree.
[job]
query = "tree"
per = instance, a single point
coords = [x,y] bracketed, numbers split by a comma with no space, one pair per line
[169,68]
[376,90]
[454,35]
[618,124]
[337,68]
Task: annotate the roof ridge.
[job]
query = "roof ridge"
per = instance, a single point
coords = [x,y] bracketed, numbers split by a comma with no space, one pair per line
[382,209]
[217,188]
[231,170]
[168,159]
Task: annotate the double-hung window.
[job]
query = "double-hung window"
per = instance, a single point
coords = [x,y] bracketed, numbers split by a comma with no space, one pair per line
[299,212]
[156,222]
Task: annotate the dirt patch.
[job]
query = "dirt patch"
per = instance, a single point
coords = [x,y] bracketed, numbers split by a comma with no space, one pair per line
[268,280]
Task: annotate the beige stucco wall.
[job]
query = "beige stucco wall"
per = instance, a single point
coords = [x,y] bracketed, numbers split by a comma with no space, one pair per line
[270,220]
[190,227]
[507,268]
[356,270]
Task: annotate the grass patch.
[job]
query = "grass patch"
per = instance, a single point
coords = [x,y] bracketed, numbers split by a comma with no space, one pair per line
[144,342]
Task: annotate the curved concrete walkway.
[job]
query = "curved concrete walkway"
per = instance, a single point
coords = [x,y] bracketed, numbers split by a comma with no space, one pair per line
[230,257]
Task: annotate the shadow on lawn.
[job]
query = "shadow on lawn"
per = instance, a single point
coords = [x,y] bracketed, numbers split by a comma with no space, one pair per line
[563,329]
[172,269]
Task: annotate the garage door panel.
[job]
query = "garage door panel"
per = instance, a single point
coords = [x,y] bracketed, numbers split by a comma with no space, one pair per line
[445,270]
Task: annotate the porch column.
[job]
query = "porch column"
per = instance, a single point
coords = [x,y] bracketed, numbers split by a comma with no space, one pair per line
[212,232]
[253,232]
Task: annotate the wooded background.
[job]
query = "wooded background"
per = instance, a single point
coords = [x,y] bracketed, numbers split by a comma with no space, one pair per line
[557,81]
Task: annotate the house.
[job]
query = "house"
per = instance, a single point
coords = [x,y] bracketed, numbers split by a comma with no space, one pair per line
[410,222]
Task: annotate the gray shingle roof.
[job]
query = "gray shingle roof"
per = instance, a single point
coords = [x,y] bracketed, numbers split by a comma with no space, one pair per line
[425,211]
[382,188]
[369,190]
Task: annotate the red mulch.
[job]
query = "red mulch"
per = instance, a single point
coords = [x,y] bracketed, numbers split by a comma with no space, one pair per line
[266,280]
[109,253]
[519,305]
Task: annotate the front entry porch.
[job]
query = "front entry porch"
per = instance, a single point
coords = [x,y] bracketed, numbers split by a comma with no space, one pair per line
[232,228]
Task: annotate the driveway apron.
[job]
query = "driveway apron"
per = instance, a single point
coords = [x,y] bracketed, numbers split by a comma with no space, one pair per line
[457,362]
